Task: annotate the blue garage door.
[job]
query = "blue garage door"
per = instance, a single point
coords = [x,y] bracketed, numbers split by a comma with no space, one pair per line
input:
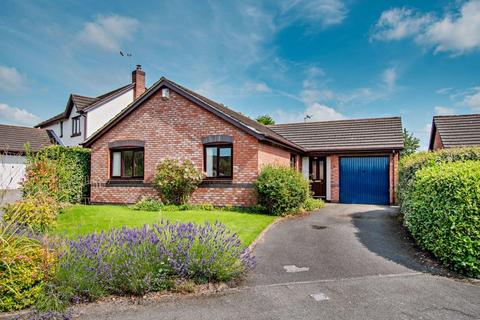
[364,180]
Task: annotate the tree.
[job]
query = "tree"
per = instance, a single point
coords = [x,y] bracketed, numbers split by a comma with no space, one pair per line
[411,143]
[265,119]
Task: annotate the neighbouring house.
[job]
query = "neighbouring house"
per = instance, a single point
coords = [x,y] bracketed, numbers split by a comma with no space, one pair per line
[85,115]
[14,140]
[455,131]
[352,161]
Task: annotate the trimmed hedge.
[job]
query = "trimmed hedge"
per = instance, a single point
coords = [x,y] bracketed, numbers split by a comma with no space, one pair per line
[411,164]
[281,190]
[60,172]
[442,211]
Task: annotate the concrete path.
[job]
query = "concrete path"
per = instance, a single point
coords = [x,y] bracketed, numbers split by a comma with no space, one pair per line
[345,262]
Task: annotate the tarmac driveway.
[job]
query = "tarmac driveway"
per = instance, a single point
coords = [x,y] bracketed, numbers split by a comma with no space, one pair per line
[344,262]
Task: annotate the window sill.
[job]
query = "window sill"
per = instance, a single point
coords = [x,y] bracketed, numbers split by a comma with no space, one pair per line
[123,182]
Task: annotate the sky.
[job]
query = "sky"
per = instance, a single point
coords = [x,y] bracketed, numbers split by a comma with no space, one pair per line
[328,59]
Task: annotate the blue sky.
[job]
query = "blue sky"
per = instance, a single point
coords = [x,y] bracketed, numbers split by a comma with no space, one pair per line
[330,59]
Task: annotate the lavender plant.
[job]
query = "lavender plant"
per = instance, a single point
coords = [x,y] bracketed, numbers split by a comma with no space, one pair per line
[140,260]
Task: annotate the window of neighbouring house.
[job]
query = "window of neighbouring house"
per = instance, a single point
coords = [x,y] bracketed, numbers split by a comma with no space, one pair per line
[293,161]
[127,163]
[61,129]
[76,126]
[218,161]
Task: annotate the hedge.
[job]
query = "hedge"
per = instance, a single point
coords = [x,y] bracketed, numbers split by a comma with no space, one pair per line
[442,212]
[411,164]
[60,172]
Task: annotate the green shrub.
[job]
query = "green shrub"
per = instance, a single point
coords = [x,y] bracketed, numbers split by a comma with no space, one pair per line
[24,267]
[281,190]
[38,213]
[207,206]
[442,211]
[312,204]
[60,172]
[148,204]
[175,181]
[411,164]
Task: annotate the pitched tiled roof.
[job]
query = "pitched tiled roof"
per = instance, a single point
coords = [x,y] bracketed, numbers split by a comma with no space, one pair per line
[237,116]
[343,135]
[260,131]
[14,138]
[83,102]
[457,131]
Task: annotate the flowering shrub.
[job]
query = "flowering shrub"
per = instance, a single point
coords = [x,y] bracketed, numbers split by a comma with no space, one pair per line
[24,266]
[38,212]
[175,181]
[140,260]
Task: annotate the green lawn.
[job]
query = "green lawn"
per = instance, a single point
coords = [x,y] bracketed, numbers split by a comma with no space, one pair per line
[83,219]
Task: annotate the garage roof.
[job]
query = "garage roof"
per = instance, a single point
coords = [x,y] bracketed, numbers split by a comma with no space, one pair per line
[345,135]
[14,138]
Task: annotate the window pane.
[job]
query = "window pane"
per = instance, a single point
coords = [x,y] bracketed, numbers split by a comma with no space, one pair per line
[320,170]
[116,164]
[211,161]
[313,173]
[138,158]
[225,162]
[127,163]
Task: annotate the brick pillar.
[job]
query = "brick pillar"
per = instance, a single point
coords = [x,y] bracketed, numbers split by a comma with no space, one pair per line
[335,178]
[393,177]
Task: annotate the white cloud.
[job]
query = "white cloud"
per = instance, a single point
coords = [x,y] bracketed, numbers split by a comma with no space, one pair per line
[316,112]
[399,23]
[389,78]
[322,13]
[473,100]
[444,90]
[319,111]
[261,87]
[444,111]
[455,32]
[17,116]
[11,79]
[108,32]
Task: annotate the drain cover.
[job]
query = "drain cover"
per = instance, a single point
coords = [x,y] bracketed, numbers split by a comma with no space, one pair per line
[317,227]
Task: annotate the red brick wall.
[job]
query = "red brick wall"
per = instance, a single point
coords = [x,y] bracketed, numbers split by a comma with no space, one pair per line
[268,154]
[335,178]
[437,142]
[335,175]
[173,128]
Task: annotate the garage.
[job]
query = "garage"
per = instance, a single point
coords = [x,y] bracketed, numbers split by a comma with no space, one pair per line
[364,180]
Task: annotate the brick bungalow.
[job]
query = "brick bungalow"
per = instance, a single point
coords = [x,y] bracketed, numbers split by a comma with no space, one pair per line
[170,121]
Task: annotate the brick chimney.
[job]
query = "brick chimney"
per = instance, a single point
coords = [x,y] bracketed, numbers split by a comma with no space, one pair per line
[138,79]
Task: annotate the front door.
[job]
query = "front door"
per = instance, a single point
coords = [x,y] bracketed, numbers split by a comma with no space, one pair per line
[318,176]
